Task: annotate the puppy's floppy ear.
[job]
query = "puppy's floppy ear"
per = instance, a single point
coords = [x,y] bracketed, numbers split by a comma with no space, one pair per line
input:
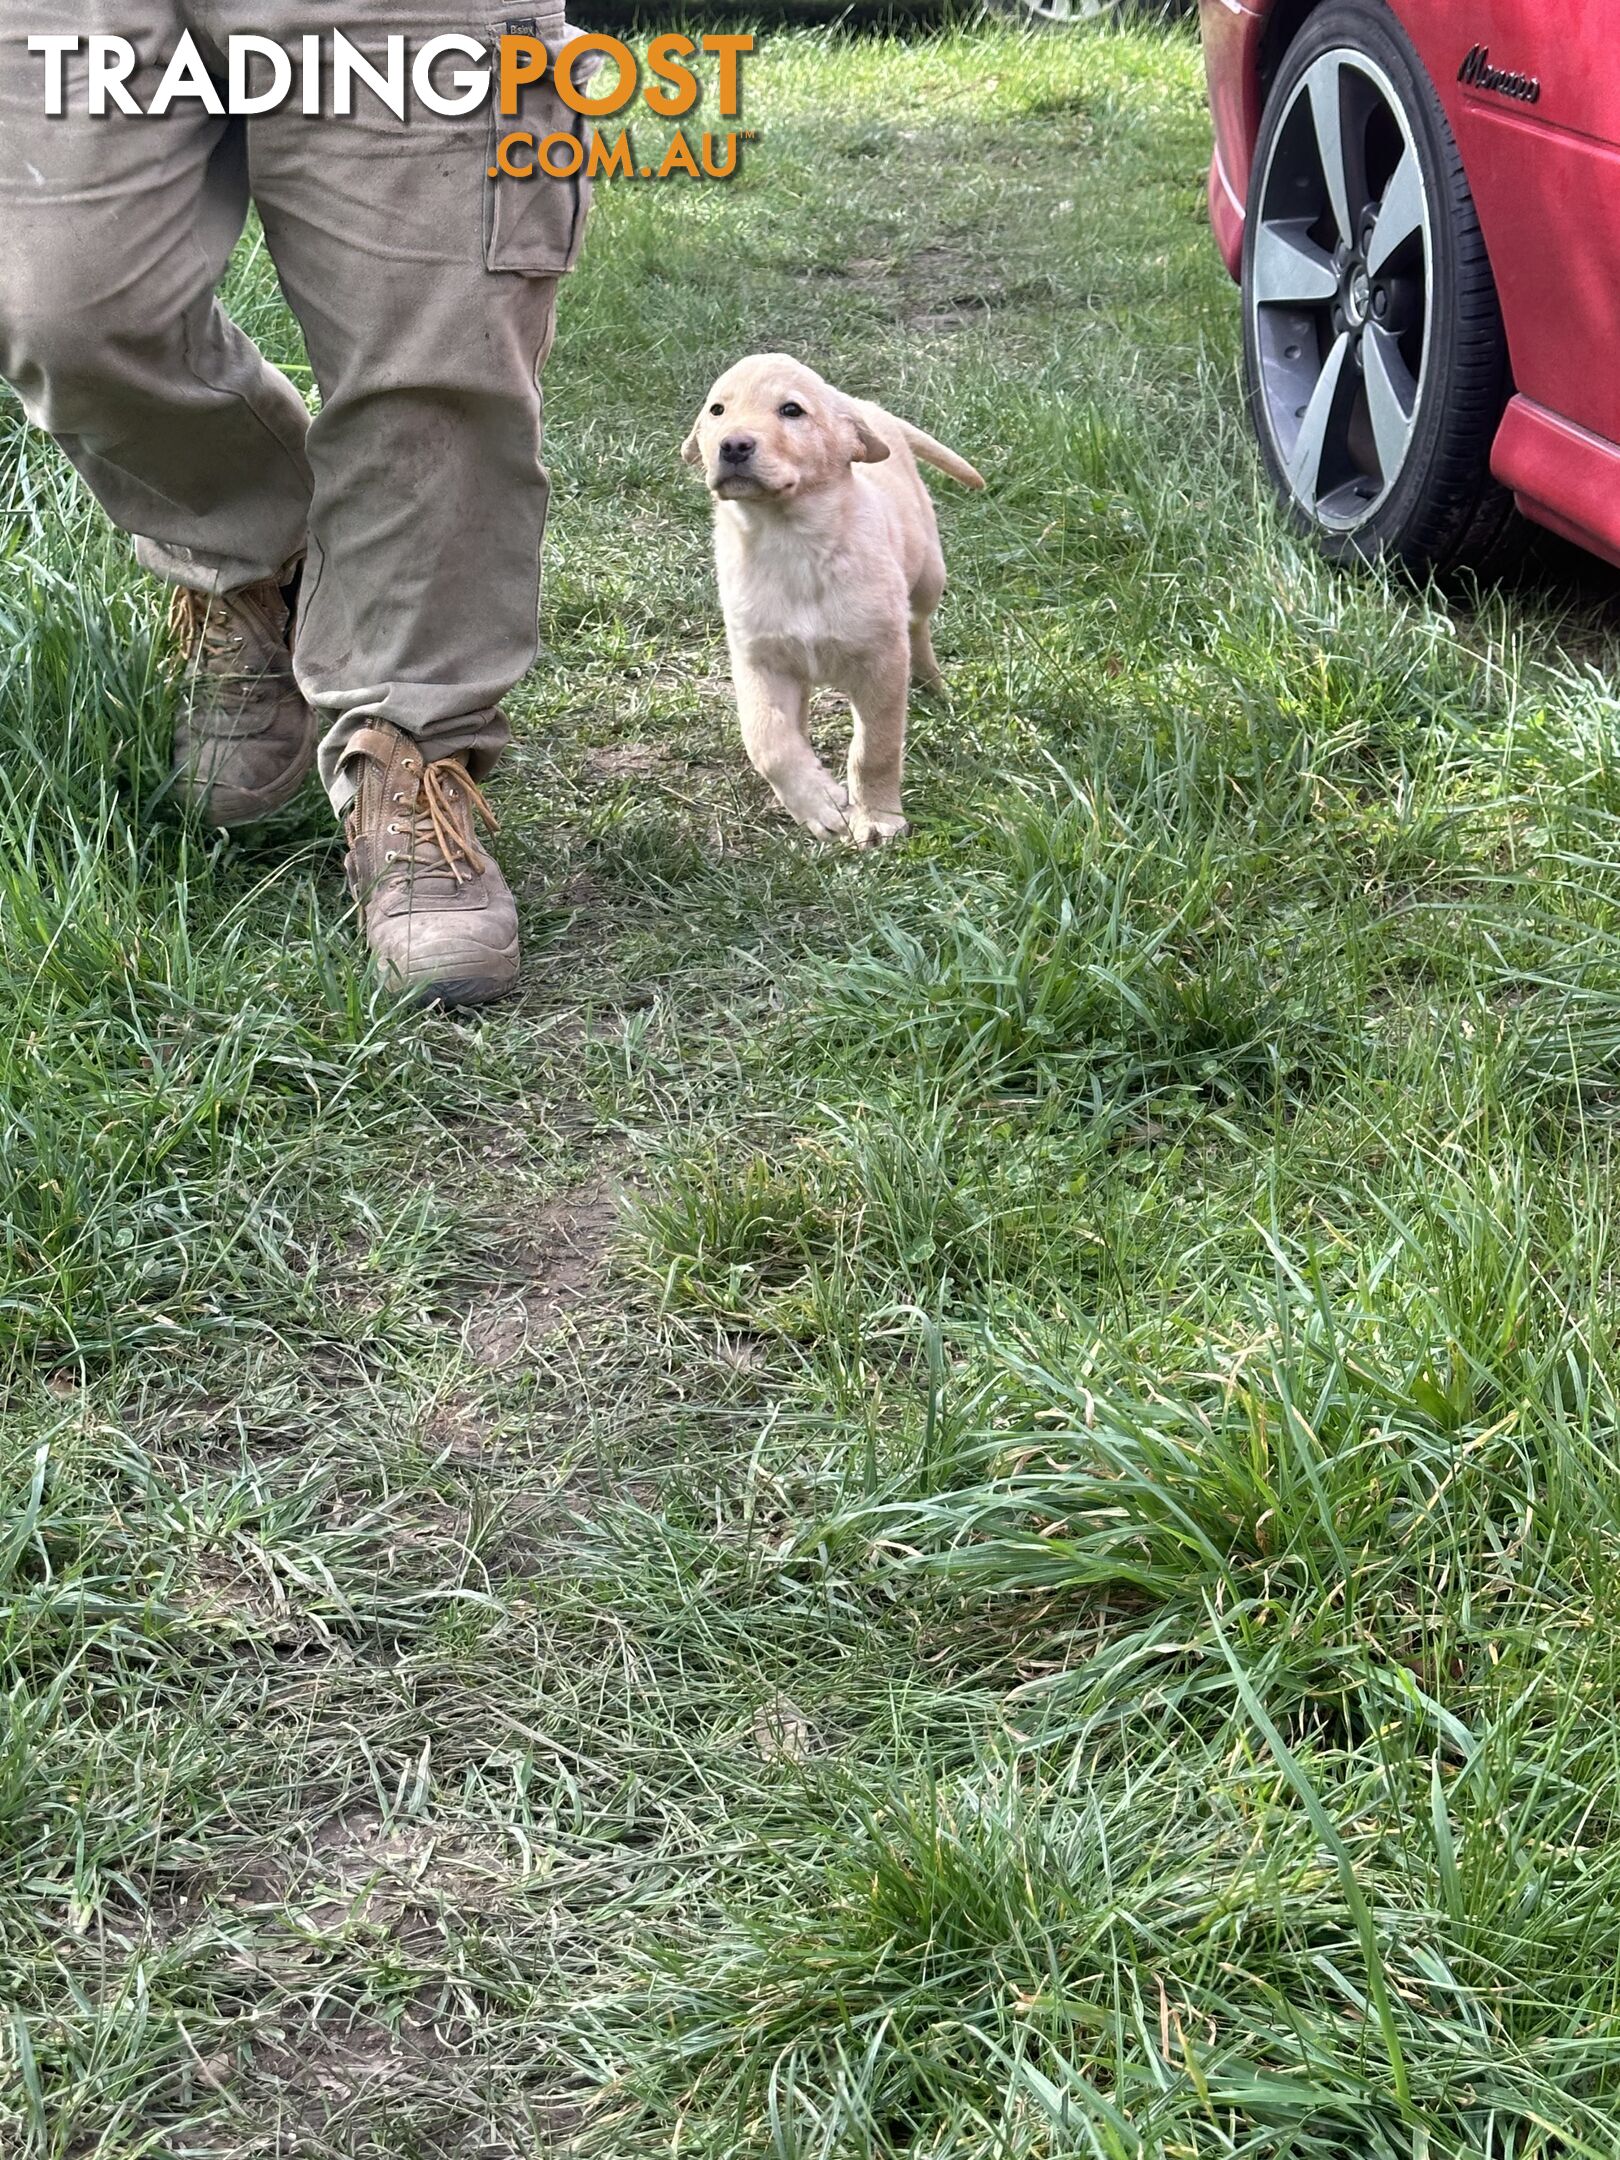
[870,448]
[691,454]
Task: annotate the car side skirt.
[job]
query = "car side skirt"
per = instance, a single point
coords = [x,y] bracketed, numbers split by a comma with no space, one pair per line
[1561,476]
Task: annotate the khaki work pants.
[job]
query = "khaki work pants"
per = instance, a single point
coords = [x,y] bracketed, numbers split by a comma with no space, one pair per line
[426,293]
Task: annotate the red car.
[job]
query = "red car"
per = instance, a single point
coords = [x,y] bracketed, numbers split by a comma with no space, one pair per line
[1422,204]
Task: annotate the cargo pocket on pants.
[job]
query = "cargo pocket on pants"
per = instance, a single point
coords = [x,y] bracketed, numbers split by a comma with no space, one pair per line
[536,225]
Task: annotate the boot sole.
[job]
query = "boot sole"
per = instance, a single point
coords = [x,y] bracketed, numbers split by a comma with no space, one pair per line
[460,991]
[460,996]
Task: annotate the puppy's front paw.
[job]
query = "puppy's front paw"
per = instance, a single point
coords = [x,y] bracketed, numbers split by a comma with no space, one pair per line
[870,828]
[819,804]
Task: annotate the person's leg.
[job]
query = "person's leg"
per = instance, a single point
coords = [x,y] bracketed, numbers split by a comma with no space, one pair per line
[428,306]
[113,234]
[427,299]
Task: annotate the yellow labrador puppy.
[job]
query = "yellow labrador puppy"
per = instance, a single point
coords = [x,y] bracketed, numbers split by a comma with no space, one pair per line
[830,572]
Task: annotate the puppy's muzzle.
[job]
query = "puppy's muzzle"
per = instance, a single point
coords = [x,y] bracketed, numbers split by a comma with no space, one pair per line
[735,474]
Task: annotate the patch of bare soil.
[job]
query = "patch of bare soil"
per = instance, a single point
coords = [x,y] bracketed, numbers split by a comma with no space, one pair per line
[357,1867]
[624,761]
[781,1731]
[458,1427]
[225,1598]
[559,1261]
[341,2085]
[933,289]
[316,2069]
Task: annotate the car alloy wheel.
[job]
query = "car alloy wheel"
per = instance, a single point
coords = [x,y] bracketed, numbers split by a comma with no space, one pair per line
[1340,290]
[1374,353]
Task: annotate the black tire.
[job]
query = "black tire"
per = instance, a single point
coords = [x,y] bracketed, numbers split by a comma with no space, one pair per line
[1439,323]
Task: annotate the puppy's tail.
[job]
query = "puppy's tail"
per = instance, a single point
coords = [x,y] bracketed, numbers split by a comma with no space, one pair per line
[935,453]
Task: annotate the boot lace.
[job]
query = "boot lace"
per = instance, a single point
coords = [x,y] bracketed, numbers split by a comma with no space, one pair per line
[207,631]
[441,819]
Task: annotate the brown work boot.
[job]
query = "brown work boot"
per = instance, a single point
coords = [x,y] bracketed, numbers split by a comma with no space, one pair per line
[245,738]
[439,915]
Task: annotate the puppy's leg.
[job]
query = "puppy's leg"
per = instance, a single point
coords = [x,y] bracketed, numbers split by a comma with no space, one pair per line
[926,595]
[924,665]
[878,745]
[774,711]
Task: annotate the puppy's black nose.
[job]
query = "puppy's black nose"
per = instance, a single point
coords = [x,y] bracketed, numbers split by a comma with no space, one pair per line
[736,449]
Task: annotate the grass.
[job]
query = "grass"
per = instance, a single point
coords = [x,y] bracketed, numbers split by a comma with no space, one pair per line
[955,1504]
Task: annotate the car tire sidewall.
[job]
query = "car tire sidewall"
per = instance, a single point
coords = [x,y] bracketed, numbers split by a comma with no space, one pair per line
[1367,28]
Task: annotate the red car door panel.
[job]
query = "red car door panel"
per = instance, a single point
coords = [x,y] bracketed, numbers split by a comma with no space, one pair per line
[1546,180]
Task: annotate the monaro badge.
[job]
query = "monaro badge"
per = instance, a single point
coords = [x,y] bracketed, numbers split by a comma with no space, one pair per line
[1477,72]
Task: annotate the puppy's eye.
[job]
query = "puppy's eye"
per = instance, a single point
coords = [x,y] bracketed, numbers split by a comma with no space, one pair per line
[791,411]
[717,410]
